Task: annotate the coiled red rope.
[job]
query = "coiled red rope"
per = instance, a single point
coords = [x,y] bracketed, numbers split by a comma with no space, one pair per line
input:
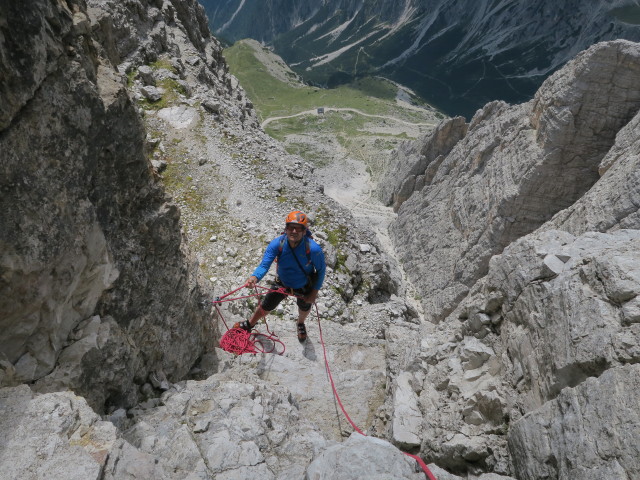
[239,341]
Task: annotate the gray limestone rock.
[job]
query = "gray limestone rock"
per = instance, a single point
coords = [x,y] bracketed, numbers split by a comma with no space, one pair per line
[179,117]
[514,169]
[254,430]
[153,94]
[358,367]
[92,263]
[363,457]
[552,335]
[562,329]
[55,435]
[145,73]
[415,163]
[212,106]
[589,431]
[406,423]
[613,201]
[125,462]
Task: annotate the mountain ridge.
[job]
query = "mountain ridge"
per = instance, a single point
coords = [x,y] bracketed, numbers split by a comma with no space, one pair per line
[456,55]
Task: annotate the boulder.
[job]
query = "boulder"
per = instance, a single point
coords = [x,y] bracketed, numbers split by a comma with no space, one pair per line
[56,435]
[363,457]
[406,423]
[179,117]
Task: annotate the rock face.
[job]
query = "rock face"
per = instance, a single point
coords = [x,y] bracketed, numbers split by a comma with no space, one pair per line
[96,289]
[51,432]
[416,163]
[521,366]
[362,457]
[534,364]
[613,203]
[557,441]
[231,426]
[516,167]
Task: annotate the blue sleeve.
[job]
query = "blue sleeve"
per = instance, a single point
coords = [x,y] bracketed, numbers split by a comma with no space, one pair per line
[267,259]
[317,258]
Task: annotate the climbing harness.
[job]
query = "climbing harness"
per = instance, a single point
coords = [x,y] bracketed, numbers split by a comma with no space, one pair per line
[239,341]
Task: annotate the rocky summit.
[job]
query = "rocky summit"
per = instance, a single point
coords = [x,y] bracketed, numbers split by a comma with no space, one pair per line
[492,330]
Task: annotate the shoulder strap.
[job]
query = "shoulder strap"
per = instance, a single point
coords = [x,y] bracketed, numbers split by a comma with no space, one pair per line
[307,248]
[300,265]
[283,239]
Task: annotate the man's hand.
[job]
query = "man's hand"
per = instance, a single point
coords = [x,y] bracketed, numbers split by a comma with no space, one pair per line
[252,281]
[311,297]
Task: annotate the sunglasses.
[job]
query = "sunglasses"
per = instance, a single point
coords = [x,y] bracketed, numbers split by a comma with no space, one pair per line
[295,228]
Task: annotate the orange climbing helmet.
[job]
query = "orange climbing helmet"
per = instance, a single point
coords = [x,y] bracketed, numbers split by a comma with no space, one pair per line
[297,217]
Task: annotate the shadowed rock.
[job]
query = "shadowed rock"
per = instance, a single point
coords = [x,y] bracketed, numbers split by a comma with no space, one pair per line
[92,263]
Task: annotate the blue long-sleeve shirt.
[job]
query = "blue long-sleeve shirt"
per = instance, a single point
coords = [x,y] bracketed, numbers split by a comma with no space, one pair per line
[289,271]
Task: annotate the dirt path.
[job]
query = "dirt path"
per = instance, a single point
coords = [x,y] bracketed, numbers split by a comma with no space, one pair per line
[354,110]
[348,182]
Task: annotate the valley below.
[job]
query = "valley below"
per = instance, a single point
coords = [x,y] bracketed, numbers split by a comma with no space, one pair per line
[348,148]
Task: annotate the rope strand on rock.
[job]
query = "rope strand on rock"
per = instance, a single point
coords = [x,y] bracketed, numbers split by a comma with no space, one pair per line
[239,341]
[423,465]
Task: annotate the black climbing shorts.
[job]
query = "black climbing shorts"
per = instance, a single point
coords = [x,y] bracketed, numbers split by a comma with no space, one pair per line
[272,299]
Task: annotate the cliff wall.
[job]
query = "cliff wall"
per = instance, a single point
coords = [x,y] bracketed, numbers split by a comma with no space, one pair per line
[524,243]
[512,169]
[97,288]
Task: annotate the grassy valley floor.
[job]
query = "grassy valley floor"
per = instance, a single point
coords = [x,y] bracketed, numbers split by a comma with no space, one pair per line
[350,143]
[363,121]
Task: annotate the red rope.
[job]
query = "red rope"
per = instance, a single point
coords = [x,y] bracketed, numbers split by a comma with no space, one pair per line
[238,340]
[423,465]
[223,298]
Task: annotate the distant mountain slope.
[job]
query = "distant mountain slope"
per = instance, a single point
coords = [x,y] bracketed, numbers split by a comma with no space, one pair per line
[457,54]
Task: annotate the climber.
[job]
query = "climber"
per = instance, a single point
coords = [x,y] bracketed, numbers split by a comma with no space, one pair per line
[300,269]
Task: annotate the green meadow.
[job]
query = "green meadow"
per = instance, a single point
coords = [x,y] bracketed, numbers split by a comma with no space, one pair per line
[276,91]
[275,98]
